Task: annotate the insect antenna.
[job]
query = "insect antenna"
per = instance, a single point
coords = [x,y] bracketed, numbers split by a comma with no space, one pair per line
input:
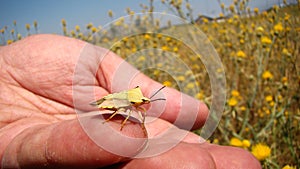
[156,93]
[157,99]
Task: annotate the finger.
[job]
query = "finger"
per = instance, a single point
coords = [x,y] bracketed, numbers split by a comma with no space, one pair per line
[180,109]
[226,156]
[66,145]
[114,74]
[165,130]
[186,155]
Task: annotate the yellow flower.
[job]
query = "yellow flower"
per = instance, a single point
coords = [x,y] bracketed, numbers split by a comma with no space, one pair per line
[236,142]
[240,54]
[159,65]
[27,27]
[65,30]
[287,17]
[73,33]
[200,96]
[133,49]
[278,28]
[261,151]
[205,20]
[289,167]
[243,108]
[141,58]
[266,110]
[167,83]
[175,49]
[80,35]
[120,21]
[236,17]
[269,98]
[147,36]
[276,8]
[77,28]
[279,98]
[165,48]
[235,93]
[247,129]
[246,143]
[19,36]
[265,13]
[286,52]
[190,86]
[128,10]
[89,26]
[259,31]
[63,22]
[232,102]
[94,29]
[265,40]
[242,41]
[180,78]
[35,24]
[284,79]
[110,13]
[256,10]
[267,75]
[222,5]
[188,6]
[239,143]
[159,35]
[216,141]
[168,39]
[232,8]
[9,41]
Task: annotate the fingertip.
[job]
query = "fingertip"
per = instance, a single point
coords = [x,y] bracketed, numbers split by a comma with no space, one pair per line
[181,109]
[233,156]
[202,115]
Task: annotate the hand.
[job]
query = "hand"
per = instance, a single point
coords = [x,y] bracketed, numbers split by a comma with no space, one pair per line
[39,127]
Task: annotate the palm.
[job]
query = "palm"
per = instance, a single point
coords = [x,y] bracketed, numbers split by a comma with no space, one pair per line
[43,80]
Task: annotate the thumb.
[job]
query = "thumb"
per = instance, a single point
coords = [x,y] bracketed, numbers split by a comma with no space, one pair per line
[66,145]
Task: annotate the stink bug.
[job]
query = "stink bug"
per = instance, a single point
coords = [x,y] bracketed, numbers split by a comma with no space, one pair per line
[126,100]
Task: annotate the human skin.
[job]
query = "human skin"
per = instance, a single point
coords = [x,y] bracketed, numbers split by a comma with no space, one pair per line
[39,126]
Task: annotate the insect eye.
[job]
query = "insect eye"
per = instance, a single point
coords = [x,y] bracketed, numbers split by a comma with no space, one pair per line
[145,100]
[132,102]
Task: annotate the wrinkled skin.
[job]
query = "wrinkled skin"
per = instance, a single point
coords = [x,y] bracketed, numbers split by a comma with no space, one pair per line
[39,127]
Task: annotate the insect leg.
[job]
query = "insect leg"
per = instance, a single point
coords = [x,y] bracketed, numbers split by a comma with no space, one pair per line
[144,113]
[141,116]
[111,116]
[143,122]
[124,121]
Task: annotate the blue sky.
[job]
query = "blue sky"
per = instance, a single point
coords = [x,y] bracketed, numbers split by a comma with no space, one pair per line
[48,13]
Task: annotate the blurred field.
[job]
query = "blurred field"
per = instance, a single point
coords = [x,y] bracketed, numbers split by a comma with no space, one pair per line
[261,58]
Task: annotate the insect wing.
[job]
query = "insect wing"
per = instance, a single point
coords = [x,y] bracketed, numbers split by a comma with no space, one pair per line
[115,101]
[121,95]
[122,99]
[113,104]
